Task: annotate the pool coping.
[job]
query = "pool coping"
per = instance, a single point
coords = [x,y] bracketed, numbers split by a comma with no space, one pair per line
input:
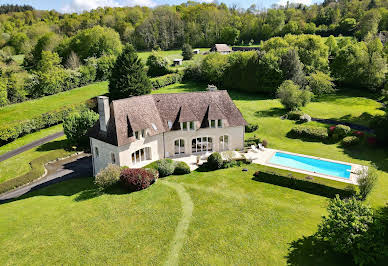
[351,180]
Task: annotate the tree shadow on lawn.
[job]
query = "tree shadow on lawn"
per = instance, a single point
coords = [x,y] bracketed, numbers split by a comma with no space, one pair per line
[310,250]
[377,156]
[273,112]
[54,145]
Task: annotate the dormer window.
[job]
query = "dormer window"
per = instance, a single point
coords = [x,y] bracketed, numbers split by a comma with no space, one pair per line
[215,123]
[140,134]
[188,126]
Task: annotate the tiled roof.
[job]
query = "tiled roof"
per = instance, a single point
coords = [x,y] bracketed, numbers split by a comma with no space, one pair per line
[221,48]
[159,112]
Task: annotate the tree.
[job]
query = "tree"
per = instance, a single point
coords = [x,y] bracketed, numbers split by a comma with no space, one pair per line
[369,23]
[213,67]
[93,42]
[292,67]
[157,65]
[230,35]
[366,180]
[291,96]
[187,52]
[128,77]
[347,222]
[320,83]
[76,126]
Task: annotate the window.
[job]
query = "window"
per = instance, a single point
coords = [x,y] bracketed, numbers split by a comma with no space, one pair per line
[96,153]
[224,143]
[140,134]
[179,146]
[219,123]
[203,144]
[141,155]
[188,126]
[212,123]
[113,158]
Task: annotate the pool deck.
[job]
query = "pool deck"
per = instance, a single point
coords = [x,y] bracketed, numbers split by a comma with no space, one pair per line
[263,157]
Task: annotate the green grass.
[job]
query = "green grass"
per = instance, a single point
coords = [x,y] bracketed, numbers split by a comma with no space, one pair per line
[266,111]
[30,138]
[171,55]
[19,164]
[29,109]
[235,220]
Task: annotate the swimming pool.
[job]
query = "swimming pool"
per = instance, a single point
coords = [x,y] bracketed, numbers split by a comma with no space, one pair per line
[311,164]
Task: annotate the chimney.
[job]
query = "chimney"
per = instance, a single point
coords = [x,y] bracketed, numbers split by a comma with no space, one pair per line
[103,111]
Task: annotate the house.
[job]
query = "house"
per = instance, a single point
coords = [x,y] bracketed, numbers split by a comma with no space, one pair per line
[178,62]
[221,48]
[196,51]
[138,130]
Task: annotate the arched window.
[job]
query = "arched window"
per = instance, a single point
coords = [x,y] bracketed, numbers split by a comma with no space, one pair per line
[179,146]
[96,153]
[202,144]
[224,143]
[113,158]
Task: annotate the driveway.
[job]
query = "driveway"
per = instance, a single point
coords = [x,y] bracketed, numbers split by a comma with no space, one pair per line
[74,167]
[31,145]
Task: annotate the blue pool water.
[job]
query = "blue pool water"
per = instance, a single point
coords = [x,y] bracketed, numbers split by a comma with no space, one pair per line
[312,165]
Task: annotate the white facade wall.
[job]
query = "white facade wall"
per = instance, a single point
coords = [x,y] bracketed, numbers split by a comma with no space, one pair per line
[162,146]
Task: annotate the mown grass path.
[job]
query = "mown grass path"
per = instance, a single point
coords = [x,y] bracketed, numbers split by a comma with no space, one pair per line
[183,225]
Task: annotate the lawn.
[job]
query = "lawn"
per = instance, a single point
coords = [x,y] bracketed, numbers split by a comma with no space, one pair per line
[214,218]
[30,138]
[266,111]
[232,220]
[20,164]
[32,108]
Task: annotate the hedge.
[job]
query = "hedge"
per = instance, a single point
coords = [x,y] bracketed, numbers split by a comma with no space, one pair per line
[350,141]
[306,183]
[309,133]
[10,132]
[166,80]
[37,170]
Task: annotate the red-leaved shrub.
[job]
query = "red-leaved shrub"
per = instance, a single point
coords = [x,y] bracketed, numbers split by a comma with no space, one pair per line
[136,179]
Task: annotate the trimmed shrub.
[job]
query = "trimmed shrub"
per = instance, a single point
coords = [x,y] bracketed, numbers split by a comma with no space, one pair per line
[350,141]
[165,167]
[12,131]
[232,163]
[108,177]
[307,184]
[181,168]
[165,80]
[341,131]
[251,128]
[294,115]
[309,133]
[136,179]
[215,161]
